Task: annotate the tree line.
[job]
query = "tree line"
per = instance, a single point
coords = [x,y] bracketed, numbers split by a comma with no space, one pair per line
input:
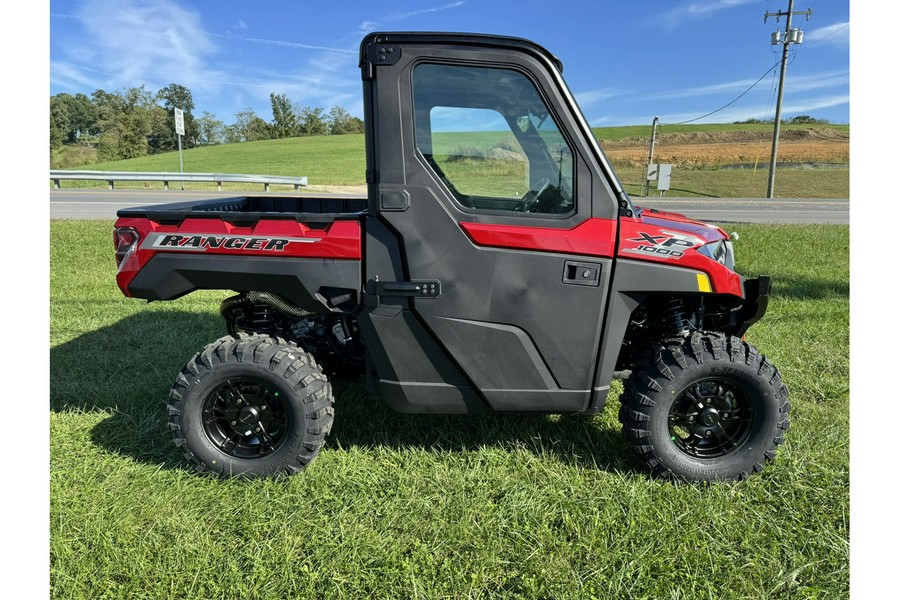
[798,120]
[136,121]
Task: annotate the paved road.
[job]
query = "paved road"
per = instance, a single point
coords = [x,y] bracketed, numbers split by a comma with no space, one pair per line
[102,204]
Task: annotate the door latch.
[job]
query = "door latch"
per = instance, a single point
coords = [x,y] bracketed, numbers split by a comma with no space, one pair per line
[410,289]
[581,273]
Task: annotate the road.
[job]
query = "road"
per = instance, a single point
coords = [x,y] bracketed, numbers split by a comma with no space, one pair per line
[102,204]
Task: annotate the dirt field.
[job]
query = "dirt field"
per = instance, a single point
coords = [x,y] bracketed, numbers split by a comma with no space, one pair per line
[724,148]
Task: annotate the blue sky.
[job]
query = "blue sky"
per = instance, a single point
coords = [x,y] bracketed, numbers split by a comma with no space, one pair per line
[626,62]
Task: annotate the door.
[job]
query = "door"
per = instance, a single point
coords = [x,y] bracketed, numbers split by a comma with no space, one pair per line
[504,228]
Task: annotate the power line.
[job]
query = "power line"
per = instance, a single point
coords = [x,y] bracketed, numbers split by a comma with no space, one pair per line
[742,94]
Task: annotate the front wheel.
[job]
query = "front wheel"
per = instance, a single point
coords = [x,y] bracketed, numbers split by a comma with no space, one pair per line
[251,406]
[707,408]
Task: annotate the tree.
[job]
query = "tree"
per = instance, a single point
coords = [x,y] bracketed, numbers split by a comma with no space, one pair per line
[164,138]
[127,120]
[258,130]
[284,120]
[341,122]
[247,127]
[806,119]
[212,130]
[312,121]
[60,121]
[71,118]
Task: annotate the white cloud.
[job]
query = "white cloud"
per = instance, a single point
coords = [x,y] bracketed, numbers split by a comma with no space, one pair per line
[708,8]
[423,11]
[594,96]
[367,27]
[837,34]
[796,84]
[128,42]
[697,10]
[759,111]
[286,44]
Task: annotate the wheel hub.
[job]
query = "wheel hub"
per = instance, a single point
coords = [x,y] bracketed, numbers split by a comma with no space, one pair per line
[249,416]
[710,416]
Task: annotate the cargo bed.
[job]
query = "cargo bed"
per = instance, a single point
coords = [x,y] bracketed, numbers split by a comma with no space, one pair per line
[249,209]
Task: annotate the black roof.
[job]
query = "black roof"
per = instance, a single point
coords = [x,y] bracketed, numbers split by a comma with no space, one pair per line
[475,39]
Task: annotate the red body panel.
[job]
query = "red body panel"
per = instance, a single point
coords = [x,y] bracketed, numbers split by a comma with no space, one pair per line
[673,239]
[275,237]
[594,237]
[659,237]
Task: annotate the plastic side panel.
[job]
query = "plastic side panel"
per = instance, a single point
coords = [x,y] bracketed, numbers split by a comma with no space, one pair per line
[494,356]
[432,398]
[543,401]
[212,238]
[631,282]
[593,237]
[403,350]
[414,375]
[170,275]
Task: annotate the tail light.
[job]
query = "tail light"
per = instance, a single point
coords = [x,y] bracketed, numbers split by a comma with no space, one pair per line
[125,240]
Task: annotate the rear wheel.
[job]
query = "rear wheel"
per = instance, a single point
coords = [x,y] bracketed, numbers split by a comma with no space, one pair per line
[251,406]
[707,408]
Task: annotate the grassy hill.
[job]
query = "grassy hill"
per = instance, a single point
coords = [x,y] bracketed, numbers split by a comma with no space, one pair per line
[340,160]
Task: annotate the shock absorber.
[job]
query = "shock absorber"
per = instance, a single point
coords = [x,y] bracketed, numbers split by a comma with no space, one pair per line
[675,322]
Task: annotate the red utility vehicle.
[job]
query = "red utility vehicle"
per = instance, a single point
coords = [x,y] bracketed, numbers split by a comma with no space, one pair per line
[497,265]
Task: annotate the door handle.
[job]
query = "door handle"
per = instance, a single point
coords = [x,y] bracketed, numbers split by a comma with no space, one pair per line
[581,273]
[412,289]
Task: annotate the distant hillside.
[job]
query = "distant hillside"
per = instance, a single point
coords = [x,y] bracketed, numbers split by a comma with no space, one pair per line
[340,159]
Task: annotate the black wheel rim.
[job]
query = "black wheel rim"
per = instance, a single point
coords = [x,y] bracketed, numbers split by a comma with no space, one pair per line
[711,418]
[245,417]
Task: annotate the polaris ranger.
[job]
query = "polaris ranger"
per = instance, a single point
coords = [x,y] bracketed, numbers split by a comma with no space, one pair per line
[497,265]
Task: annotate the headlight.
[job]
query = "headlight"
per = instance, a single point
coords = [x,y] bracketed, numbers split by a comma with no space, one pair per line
[720,251]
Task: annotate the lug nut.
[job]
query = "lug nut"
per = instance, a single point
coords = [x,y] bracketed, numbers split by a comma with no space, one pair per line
[256,430]
[708,433]
[234,422]
[691,419]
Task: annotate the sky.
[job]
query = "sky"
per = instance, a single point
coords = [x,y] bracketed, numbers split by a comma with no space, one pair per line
[625,62]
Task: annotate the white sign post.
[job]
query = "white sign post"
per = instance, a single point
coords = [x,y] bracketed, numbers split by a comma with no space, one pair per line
[179,129]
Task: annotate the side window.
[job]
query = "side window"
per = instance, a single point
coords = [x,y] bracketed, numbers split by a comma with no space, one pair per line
[491,138]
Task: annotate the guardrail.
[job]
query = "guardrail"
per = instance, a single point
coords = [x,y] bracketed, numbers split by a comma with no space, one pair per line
[218,178]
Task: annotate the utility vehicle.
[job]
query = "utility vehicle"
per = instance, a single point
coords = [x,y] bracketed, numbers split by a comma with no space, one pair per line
[495,266]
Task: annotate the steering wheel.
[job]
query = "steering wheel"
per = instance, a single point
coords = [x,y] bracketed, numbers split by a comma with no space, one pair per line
[531,197]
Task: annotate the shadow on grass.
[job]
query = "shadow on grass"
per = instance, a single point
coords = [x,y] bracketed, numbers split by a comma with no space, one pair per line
[797,287]
[127,369]
[675,192]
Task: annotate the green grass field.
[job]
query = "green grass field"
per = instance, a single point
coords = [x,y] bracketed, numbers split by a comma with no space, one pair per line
[340,160]
[643,131]
[402,506]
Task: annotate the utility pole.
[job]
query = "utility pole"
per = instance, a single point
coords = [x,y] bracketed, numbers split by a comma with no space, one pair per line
[650,160]
[791,36]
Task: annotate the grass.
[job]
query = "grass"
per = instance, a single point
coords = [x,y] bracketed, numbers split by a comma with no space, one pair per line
[340,160]
[745,183]
[643,131]
[406,506]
